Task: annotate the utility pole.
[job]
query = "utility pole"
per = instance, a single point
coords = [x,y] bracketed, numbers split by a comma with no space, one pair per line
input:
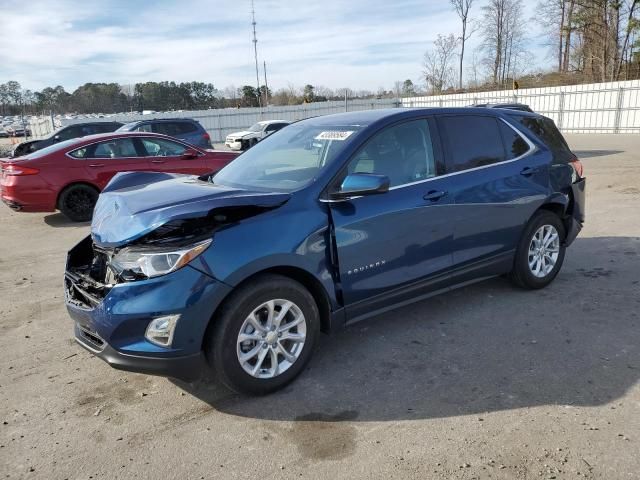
[255,51]
[266,86]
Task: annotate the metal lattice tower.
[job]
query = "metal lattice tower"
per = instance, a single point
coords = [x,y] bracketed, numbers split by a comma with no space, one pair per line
[255,51]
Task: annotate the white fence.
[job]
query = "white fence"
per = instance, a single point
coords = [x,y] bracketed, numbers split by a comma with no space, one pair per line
[220,122]
[612,107]
[593,108]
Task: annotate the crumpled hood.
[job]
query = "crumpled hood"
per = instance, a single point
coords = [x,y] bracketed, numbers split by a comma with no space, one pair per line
[136,203]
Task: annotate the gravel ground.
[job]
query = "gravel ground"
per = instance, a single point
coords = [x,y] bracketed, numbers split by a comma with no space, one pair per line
[485,382]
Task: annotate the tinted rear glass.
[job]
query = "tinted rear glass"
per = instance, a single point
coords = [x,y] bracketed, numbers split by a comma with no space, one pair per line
[514,144]
[472,140]
[546,130]
[185,127]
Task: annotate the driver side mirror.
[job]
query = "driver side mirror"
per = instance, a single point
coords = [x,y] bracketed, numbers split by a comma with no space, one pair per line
[358,184]
[189,154]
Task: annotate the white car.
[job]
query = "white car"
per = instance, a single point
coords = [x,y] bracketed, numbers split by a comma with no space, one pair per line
[256,132]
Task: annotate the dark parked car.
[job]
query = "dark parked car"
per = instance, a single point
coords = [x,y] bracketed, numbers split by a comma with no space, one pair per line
[185,129]
[65,133]
[327,222]
[509,106]
[69,175]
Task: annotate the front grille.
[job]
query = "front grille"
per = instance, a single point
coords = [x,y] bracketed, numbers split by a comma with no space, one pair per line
[91,338]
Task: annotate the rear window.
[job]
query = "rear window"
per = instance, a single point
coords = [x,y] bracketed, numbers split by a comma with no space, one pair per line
[472,140]
[546,130]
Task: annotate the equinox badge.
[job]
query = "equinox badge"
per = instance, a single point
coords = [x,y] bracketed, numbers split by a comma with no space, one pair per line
[366,267]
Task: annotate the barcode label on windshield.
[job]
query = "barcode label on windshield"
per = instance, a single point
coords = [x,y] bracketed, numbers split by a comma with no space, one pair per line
[334,135]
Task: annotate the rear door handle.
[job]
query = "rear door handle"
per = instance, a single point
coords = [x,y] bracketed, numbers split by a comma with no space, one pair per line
[526,171]
[96,165]
[434,195]
[157,161]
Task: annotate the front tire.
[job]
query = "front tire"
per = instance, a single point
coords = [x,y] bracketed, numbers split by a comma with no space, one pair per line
[264,335]
[540,253]
[77,202]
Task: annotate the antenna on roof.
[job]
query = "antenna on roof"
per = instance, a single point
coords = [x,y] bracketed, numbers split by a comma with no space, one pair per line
[255,51]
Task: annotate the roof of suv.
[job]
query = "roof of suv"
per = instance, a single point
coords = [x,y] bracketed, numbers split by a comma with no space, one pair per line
[368,117]
[190,120]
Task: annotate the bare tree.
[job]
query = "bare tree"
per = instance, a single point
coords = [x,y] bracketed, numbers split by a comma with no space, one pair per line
[438,72]
[552,16]
[632,24]
[503,36]
[462,8]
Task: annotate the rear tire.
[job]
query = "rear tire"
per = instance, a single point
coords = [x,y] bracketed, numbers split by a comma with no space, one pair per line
[540,252]
[77,202]
[259,357]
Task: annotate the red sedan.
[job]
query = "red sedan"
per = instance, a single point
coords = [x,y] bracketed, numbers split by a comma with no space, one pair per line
[69,175]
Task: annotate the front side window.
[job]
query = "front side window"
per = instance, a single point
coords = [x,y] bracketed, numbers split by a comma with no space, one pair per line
[159,147]
[403,153]
[473,141]
[104,128]
[117,148]
[69,133]
[290,160]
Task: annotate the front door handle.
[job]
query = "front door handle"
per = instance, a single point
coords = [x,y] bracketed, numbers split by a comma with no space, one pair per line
[526,171]
[96,165]
[434,195]
[157,161]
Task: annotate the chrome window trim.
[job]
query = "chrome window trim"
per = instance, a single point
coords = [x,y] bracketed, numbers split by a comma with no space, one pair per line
[532,148]
[184,144]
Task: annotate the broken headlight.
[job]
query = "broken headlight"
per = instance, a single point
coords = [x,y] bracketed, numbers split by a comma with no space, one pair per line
[136,262]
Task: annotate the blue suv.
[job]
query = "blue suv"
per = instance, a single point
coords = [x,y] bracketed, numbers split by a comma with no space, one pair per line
[322,224]
[185,129]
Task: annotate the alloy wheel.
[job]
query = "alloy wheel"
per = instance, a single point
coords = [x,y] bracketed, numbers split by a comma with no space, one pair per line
[544,250]
[271,338]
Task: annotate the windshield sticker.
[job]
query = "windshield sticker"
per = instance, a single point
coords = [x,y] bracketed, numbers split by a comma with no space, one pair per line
[334,135]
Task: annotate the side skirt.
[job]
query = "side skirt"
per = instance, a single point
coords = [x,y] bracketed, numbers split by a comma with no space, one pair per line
[457,278]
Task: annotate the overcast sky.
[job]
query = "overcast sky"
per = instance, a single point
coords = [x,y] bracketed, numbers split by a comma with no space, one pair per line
[362,44]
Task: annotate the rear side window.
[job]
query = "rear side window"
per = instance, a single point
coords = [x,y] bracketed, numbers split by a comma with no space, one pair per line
[169,128]
[472,141]
[514,144]
[184,128]
[118,148]
[546,130]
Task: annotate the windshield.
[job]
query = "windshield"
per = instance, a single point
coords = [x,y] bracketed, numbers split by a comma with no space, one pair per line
[256,127]
[127,127]
[289,159]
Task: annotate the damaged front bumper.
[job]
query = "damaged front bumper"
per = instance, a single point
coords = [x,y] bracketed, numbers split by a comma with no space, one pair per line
[111,318]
